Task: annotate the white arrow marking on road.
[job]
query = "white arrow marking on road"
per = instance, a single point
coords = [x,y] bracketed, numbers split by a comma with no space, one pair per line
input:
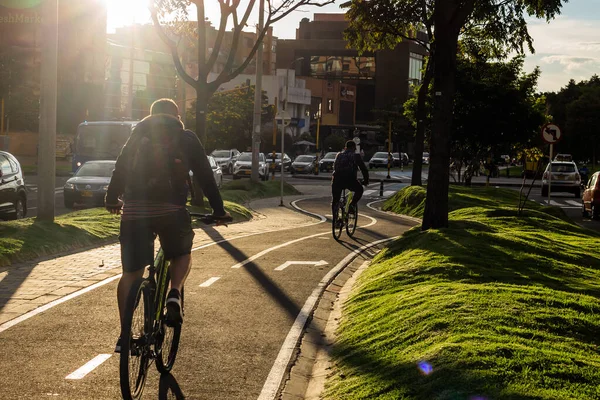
[210,281]
[288,263]
[89,366]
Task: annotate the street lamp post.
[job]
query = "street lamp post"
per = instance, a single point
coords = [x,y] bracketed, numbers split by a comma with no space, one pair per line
[287,85]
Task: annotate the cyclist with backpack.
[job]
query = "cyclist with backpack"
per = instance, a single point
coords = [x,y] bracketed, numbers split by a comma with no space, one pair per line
[345,167]
[152,176]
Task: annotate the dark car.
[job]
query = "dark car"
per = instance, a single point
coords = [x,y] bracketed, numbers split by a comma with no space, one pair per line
[89,184]
[13,194]
[287,161]
[326,163]
[304,164]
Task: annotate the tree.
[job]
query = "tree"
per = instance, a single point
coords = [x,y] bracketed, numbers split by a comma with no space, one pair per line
[493,26]
[496,111]
[172,23]
[229,118]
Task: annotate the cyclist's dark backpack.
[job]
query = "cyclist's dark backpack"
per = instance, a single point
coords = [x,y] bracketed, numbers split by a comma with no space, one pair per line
[345,164]
[158,170]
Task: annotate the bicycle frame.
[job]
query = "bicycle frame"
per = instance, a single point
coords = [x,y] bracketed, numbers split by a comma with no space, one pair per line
[159,274]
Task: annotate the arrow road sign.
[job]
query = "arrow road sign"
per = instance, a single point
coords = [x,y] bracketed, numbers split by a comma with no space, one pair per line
[551,133]
[288,263]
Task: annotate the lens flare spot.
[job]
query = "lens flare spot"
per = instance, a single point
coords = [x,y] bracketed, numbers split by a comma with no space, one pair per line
[478,398]
[425,367]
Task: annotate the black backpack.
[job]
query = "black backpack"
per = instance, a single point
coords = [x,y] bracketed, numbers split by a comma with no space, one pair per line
[345,163]
[158,169]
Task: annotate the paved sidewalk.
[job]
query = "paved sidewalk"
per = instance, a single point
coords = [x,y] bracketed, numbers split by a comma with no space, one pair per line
[27,286]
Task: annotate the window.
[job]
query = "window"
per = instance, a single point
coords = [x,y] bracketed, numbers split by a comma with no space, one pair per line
[5,166]
[415,64]
[358,67]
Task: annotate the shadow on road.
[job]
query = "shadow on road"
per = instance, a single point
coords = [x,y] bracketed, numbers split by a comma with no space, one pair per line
[168,388]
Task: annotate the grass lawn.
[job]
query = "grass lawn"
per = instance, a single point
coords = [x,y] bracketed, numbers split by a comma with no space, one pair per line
[29,238]
[497,306]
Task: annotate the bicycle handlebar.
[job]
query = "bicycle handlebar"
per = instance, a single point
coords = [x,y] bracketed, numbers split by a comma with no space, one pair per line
[210,219]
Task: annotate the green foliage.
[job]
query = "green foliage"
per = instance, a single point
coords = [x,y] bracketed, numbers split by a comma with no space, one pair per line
[334,142]
[229,118]
[495,307]
[575,110]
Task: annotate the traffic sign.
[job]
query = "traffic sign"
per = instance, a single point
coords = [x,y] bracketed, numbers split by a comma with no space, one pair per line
[283,116]
[551,133]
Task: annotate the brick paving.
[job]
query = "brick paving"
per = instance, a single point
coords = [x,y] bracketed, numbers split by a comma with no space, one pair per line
[26,286]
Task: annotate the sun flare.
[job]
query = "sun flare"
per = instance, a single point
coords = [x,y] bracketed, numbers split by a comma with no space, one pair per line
[126,12]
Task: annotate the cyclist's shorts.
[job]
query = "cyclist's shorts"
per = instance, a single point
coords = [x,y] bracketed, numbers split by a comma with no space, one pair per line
[137,239]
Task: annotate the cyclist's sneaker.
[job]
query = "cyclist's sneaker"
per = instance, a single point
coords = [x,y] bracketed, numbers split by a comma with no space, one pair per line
[174,313]
[118,345]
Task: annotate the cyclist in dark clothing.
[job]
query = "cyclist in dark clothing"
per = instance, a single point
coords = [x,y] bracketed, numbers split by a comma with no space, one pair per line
[345,167]
[147,213]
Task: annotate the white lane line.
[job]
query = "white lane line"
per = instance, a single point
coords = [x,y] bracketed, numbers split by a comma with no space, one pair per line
[262,253]
[89,366]
[56,302]
[389,193]
[574,203]
[273,382]
[369,192]
[210,281]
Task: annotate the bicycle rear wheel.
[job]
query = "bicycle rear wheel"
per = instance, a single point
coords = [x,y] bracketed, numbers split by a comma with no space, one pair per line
[337,222]
[167,341]
[352,220]
[135,346]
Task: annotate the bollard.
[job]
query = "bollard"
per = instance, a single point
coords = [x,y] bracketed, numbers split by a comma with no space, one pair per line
[381,188]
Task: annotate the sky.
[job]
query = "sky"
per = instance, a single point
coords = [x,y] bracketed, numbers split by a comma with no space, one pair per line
[566,48]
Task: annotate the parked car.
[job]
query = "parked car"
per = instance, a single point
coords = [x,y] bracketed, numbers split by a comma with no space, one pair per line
[326,163]
[565,178]
[379,159]
[226,159]
[304,164]
[287,161]
[425,158]
[89,184]
[590,199]
[243,166]
[217,172]
[13,194]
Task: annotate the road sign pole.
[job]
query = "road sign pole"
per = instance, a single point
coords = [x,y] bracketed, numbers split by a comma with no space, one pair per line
[282,140]
[390,157]
[550,173]
[317,159]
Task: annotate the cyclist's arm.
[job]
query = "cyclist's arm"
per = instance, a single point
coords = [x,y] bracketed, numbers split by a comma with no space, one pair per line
[203,172]
[363,168]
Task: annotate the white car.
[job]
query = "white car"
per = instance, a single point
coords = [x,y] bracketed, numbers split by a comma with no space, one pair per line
[425,158]
[243,166]
[216,170]
[565,178]
[379,159]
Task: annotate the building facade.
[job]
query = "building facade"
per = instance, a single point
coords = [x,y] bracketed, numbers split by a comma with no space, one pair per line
[373,80]
[81,48]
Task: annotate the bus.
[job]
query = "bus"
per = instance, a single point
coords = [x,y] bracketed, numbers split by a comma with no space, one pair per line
[100,140]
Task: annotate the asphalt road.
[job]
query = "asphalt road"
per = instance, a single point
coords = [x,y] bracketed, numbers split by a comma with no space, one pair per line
[234,327]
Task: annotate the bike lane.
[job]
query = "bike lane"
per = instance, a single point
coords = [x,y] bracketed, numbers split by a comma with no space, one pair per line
[236,319]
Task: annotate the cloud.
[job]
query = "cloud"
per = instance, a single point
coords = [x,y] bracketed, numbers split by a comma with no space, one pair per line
[572,63]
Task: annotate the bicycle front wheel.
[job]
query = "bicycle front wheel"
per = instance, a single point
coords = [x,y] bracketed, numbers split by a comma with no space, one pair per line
[352,220]
[135,344]
[337,222]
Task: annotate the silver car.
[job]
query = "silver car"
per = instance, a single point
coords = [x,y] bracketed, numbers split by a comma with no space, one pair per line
[226,159]
[379,159]
[217,172]
[304,164]
[243,166]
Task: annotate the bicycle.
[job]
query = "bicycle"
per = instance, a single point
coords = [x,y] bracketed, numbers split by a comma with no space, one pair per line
[344,217]
[145,336]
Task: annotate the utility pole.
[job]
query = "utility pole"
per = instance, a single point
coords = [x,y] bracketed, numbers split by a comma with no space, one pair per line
[256,121]
[47,132]
[131,64]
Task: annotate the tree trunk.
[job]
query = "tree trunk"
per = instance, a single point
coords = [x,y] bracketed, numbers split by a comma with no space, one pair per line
[201,109]
[421,116]
[436,203]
